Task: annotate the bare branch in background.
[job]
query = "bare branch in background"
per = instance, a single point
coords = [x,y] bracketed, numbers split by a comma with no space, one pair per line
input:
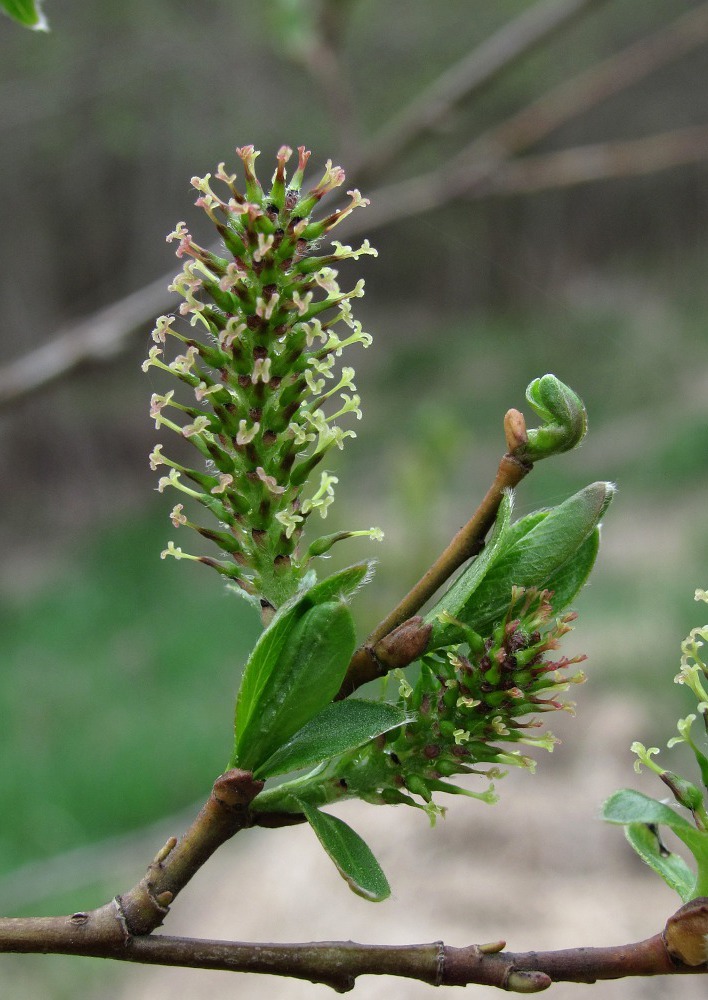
[567,167]
[476,70]
[487,153]
[599,161]
[327,68]
[96,338]
[482,167]
[570,99]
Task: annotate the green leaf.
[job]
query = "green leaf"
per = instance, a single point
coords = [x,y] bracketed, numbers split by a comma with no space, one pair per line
[309,669]
[548,546]
[456,598]
[353,858]
[519,528]
[263,660]
[342,726]
[267,651]
[27,12]
[671,867]
[628,806]
[567,582]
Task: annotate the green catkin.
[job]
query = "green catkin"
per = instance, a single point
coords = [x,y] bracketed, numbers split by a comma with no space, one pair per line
[260,363]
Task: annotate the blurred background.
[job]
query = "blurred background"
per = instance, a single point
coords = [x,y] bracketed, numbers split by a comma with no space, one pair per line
[538,179]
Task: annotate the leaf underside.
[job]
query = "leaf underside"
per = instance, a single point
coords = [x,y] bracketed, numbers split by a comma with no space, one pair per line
[352,857]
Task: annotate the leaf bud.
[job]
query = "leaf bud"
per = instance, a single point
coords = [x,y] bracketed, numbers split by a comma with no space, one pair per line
[564,416]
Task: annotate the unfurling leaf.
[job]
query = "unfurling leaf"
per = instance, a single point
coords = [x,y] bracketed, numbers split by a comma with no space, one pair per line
[547,549]
[565,419]
[353,858]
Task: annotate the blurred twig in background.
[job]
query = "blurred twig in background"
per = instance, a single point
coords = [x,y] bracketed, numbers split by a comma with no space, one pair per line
[485,166]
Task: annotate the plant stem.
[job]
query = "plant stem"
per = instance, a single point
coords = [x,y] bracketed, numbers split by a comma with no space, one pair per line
[338,963]
[225,812]
[144,907]
[377,656]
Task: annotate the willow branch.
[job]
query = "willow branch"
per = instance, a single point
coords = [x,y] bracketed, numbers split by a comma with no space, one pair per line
[466,543]
[144,907]
[476,70]
[402,636]
[97,338]
[600,161]
[338,964]
[225,812]
[572,98]
[139,911]
[473,169]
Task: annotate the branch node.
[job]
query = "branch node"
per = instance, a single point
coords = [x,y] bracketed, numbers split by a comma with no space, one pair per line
[141,911]
[440,964]
[404,645]
[117,904]
[236,788]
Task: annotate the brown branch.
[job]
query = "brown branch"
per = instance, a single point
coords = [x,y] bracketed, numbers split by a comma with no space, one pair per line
[680,949]
[144,907]
[479,68]
[225,812]
[107,930]
[475,166]
[465,544]
[97,338]
[600,161]
[572,98]
[402,636]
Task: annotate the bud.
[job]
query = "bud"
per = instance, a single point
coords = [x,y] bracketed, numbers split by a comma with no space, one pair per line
[687,795]
[686,933]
